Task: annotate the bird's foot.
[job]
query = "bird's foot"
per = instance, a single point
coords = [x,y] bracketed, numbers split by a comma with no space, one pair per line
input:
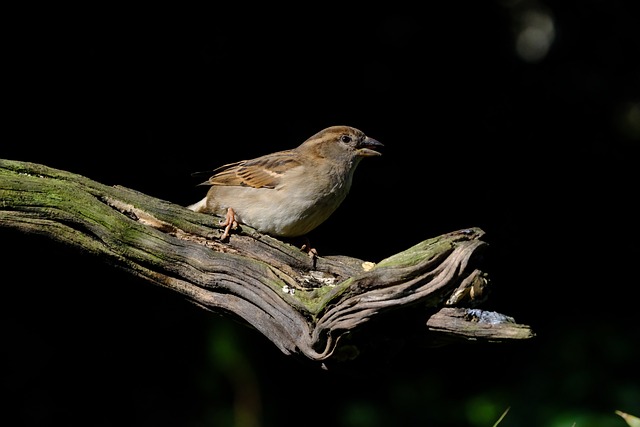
[312,252]
[230,222]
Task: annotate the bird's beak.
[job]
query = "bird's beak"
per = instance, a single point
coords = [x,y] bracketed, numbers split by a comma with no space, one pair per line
[365,148]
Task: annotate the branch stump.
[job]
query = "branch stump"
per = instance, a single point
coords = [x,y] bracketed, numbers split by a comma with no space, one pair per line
[306,307]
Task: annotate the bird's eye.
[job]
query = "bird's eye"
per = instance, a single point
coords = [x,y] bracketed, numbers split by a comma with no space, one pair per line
[345,138]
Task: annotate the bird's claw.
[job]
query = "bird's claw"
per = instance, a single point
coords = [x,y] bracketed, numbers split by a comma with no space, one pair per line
[312,252]
[230,222]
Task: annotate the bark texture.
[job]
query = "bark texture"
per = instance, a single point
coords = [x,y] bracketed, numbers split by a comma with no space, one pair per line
[305,307]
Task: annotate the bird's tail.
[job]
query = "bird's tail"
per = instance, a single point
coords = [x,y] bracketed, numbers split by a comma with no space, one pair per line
[199,206]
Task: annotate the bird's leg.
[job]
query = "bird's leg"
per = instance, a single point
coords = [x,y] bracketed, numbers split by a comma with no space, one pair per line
[230,221]
[306,247]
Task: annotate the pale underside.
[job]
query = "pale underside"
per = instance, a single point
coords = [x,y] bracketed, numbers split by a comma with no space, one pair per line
[280,211]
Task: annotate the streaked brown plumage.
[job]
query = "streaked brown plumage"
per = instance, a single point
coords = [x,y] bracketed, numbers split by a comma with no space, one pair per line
[291,192]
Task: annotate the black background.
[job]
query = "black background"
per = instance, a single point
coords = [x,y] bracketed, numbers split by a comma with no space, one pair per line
[536,154]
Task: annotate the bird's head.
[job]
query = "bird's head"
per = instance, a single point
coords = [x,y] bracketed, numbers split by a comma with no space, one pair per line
[343,142]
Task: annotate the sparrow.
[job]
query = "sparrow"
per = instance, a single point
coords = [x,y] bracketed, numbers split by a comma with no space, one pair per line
[288,193]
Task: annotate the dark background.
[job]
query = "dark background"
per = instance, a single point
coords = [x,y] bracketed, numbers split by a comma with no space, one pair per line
[540,153]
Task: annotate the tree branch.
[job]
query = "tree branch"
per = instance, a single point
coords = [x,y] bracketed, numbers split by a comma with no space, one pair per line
[303,306]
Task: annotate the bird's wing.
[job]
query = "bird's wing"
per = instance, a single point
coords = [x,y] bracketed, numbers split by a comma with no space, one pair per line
[262,172]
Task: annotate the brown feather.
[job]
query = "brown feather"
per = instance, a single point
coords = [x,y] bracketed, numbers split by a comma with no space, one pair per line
[262,172]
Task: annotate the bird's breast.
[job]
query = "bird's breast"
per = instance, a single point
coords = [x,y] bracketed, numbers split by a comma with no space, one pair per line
[301,202]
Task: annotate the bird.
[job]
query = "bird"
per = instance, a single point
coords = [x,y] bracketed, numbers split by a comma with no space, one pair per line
[288,193]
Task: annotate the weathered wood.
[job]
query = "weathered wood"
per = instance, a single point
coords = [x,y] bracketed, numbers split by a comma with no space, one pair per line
[303,306]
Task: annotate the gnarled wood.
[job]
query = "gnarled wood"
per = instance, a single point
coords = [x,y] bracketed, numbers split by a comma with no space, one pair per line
[303,306]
